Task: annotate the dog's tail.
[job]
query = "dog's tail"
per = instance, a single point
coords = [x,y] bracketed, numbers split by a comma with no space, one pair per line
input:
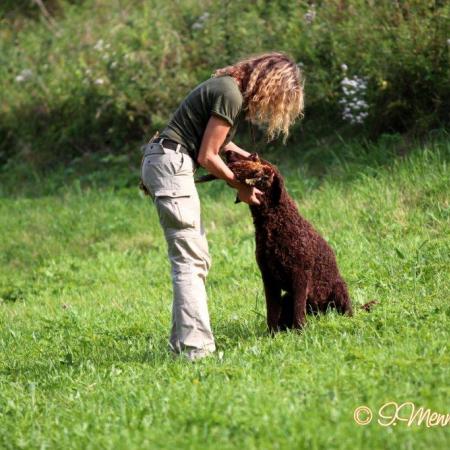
[369,305]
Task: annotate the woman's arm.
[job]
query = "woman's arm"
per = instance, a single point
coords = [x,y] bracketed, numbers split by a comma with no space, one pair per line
[213,138]
[233,147]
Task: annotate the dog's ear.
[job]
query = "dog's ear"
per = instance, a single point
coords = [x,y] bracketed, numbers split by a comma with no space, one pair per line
[276,188]
[232,157]
[254,157]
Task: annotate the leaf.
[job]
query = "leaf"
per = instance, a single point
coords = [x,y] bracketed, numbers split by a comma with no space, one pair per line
[399,253]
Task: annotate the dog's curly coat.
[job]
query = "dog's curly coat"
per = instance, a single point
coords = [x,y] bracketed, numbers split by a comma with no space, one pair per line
[291,254]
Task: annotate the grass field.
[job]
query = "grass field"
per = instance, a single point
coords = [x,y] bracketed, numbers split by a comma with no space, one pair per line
[85,311]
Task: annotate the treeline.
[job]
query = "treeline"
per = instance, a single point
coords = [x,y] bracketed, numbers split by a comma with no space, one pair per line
[99,75]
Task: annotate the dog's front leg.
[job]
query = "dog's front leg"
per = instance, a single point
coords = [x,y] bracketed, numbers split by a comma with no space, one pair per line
[273,301]
[300,291]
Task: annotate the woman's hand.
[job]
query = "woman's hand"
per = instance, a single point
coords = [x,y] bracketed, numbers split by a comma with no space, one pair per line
[249,194]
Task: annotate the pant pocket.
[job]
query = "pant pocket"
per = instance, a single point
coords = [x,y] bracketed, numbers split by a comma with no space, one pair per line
[168,171]
[177,210]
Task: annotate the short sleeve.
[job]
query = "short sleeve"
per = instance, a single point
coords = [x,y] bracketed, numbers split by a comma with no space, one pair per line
[227,106]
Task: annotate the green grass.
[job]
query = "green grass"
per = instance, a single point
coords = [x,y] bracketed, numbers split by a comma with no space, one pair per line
[85,311]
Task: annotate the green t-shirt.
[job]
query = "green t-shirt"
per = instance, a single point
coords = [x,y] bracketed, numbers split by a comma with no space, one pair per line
[217,96]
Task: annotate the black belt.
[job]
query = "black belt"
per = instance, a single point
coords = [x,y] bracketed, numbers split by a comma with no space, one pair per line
[171,145]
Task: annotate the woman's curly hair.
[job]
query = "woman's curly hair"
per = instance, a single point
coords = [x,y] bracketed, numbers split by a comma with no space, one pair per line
[272,87]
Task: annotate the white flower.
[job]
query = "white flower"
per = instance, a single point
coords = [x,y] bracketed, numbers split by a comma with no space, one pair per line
[344,67]
[354,106]
[25,75]
[362,83]
[99,45]
[200,22]
[99,81]
[353,83]
[310,14]
[448,41]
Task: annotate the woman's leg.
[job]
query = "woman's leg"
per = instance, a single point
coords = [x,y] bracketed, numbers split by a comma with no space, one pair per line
[169,177]
[191,329]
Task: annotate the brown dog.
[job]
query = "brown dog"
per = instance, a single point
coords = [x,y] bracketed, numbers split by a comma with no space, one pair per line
[291,254]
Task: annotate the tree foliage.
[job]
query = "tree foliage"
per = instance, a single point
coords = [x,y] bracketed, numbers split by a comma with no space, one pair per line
[100,75]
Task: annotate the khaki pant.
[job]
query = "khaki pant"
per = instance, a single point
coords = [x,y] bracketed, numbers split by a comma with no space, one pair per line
[168,176]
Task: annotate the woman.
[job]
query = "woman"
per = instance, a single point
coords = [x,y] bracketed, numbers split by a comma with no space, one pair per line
[265,89]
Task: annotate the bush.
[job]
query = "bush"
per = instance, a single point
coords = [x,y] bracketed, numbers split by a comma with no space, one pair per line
[101,76]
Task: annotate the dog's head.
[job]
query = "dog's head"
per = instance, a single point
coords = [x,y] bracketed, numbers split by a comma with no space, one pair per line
[257,172]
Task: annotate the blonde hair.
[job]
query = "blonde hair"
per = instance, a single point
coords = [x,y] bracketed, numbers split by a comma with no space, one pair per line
[272,87]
